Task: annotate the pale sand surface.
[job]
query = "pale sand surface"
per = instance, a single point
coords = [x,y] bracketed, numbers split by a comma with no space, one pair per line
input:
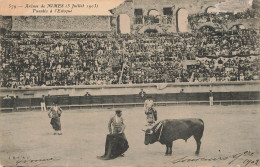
[229,130]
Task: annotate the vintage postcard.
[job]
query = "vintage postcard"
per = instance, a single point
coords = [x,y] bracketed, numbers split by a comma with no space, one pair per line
[129,83]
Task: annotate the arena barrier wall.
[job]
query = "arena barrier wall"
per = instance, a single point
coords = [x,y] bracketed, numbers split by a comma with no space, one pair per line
[128,95]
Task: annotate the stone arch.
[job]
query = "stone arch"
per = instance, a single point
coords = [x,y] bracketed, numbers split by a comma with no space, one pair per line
[151,31]
[153,16]
[237,26]
[123,24]
[153,11]
[182,20]
[150,27]
[207,9]
[212,28]
[210,24]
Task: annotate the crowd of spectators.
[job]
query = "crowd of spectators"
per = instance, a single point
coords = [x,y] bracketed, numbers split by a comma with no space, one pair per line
[164,19]
[55,58]
[220,18]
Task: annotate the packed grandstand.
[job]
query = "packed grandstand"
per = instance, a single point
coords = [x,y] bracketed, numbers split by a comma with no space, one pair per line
[83,58]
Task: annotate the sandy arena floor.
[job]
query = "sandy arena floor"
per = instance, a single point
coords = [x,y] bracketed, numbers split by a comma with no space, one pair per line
[231,137]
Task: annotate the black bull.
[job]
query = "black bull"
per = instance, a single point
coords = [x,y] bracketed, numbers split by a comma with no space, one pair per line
[169,130]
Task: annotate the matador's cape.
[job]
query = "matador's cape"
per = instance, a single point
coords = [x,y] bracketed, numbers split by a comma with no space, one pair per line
[116,145]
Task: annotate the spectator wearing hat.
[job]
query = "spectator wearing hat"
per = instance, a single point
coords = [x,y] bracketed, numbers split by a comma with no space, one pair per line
[210,98]
[43,105]
[116,124]
[87,94]
[142,93]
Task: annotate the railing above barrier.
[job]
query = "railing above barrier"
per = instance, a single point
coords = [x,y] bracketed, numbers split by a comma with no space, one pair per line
[125,105]
[141,85]
[127,99]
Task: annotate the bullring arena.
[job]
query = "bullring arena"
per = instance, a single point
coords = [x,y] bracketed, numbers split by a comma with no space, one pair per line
[29,135]
[194,59]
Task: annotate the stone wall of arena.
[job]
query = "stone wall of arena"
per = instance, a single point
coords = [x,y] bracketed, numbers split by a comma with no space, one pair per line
[110,23]
[129,6]
[61,23]
[125,95]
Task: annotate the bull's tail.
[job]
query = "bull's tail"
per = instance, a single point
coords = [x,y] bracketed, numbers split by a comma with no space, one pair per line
[198,135]
[202,128]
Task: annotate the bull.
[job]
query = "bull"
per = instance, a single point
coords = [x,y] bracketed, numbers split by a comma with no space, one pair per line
[169,130]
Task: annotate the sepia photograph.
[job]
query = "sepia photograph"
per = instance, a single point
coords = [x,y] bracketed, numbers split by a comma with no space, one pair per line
[130,83]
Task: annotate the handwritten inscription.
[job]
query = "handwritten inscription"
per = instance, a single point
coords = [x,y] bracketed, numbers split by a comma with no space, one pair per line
[27,161]
[251,162]
[231,159]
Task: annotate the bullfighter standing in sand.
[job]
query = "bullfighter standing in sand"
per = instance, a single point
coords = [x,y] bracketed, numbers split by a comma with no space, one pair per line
[151,113]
